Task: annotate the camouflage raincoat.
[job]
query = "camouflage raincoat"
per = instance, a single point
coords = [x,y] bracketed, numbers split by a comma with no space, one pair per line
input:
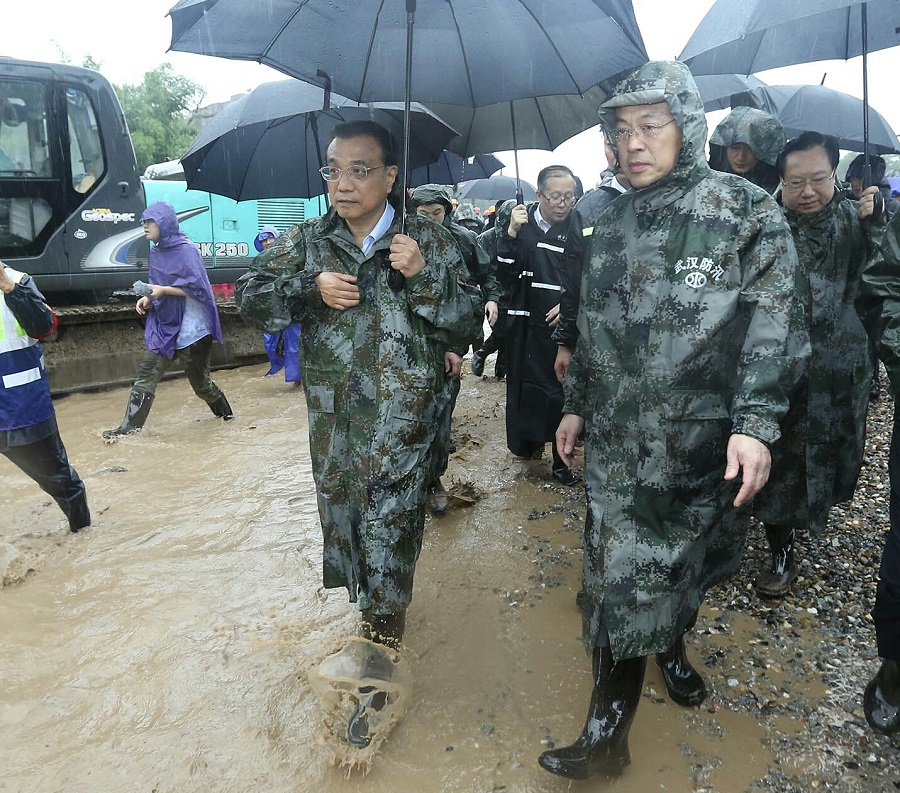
[373,377]
[758,130]
[816,462]
[689,332]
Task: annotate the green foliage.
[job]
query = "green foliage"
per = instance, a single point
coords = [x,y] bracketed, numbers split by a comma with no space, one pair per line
[158,112]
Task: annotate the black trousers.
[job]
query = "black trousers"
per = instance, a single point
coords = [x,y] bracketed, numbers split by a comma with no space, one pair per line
[886,613]
[46,462]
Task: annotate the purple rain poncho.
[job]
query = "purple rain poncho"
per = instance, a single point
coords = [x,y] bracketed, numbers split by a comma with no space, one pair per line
[175,261]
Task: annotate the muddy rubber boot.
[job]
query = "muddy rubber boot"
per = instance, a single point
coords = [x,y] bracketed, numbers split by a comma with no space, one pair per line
[881,702]
[776,582]
[436,498]
[602,746]
[478,359]
[221,408]
[136,412]
[684,684]
[386,629]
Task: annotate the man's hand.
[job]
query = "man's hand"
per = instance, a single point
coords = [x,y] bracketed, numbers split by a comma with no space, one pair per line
[6,283]
[143,305]
[866,205]
[452,364]
[754,459]
[338,290]
[552,316]
[563,359]
[491,311]
[517,219]
[567,437]
[405,255]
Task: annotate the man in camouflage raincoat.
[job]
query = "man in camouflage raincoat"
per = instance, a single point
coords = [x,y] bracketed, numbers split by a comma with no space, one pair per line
[373,357]
[747,142]
[688,339]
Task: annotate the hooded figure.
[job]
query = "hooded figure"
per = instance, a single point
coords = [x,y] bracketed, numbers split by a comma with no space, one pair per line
[689,334]
[182,320]
[747,142]
[429,200]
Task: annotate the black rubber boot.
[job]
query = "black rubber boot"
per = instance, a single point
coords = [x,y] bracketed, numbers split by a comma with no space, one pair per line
[136,412]
[561,472]
[386,629]
[221,408]
[78,513]
[776,582]
[602,746]
[478,359]
[500,364]
[881,702]
[436,498]
[683,683]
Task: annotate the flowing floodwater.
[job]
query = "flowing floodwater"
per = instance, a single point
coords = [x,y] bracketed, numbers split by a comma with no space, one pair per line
[168,647]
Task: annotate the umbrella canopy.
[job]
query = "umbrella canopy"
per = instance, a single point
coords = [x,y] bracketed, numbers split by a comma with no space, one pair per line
[745,36]
[452,169]
[716,90]
[496,188]
[541,122]
[465,52]
[272,142]
[816,107]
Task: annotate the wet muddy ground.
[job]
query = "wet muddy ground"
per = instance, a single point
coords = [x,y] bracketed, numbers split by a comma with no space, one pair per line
[169,646]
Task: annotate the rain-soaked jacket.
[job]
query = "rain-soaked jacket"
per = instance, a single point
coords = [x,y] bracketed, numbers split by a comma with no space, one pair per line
[373,377]
[689,332]
[878,301]
[758,130]
[816,462]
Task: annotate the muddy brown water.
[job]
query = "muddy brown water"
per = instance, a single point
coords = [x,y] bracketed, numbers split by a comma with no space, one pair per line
[168,646]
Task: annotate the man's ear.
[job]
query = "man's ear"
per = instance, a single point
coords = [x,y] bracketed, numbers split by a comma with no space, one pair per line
[393,171]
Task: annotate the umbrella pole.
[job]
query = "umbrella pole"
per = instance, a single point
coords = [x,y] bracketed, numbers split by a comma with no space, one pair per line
[520,196]
[867,169]
[410,22]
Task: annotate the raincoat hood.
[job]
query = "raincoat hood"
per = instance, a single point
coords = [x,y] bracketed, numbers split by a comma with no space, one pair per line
[432,194]
[265,231]
[170,233]
[670,82]
[754,128]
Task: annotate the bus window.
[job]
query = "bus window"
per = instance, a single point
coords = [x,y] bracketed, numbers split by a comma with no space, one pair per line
[85,149]
[24,148]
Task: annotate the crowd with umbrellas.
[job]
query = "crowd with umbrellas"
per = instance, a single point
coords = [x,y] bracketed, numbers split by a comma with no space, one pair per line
[458,80]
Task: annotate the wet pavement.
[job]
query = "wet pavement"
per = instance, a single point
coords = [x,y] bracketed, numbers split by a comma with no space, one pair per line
[169,646]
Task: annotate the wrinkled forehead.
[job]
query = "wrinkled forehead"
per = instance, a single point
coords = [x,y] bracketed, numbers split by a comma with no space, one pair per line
[643,114]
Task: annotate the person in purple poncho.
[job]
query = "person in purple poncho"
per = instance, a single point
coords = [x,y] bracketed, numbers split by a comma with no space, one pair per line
[182,320]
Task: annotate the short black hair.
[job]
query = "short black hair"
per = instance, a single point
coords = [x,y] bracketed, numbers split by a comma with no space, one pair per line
[806,141]
[554,170]
[366,128]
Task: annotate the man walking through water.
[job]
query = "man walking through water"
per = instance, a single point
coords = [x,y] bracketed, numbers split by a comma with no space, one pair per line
[379,308]
[686,329]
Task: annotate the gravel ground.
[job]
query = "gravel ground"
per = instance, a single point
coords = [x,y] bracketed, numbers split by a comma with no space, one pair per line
[799,666]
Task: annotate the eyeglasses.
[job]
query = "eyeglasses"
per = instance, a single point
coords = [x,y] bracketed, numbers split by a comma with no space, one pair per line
[796,185]
[560,198]
[625,134]
[358,173]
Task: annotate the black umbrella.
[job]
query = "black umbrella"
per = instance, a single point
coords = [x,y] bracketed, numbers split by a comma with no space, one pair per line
[271,142]
[754,35]
[466,52]
[452,169]
[817,107]
[716,90]
[496,188]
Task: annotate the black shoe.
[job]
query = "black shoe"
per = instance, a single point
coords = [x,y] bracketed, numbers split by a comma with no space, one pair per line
[78,513]
[776,582]
[684,684]
[436,498]
[478,359]
[565,476]
[602,746]
[221,408]
[881,702]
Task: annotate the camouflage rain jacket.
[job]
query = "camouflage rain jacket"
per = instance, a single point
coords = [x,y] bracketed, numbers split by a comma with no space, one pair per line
[816,462]
[689,332]
[758,130]
[373,377]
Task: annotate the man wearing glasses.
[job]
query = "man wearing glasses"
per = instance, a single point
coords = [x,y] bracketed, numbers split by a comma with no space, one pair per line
[689,335]
[531,257]
[816,462]
[378,308]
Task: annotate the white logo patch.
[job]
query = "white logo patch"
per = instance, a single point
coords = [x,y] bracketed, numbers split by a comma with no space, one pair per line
[695,279]
[699,271]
